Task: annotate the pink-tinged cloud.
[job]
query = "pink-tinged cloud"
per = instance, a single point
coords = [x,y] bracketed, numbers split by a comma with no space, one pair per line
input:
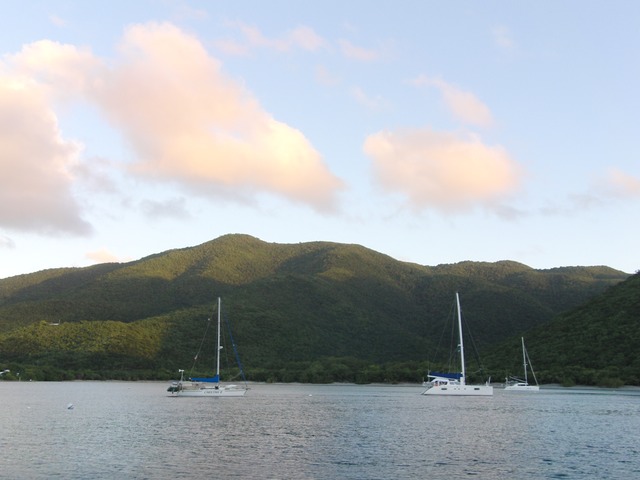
[463,105]
[186,122]
[61,71]
[57,21]
[190,124]
[102,256]
[355,52]
[622,184]
[306,38]
[35,163]
[442,171]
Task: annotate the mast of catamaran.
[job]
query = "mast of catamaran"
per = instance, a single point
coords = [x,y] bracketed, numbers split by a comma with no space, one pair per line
[463,378]
[218,346]
[524,361]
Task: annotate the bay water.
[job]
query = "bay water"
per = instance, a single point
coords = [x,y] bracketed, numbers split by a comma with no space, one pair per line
[134,430]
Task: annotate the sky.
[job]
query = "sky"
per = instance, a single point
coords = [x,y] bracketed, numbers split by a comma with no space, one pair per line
[433,132]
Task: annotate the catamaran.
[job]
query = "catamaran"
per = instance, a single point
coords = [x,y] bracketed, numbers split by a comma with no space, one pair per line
[206,387]
[454,383]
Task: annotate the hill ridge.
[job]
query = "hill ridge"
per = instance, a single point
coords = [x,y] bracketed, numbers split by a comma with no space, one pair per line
[294,302]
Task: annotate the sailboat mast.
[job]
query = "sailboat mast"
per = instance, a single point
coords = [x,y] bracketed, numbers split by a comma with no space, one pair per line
[218,345]
[463,379]
[524,361]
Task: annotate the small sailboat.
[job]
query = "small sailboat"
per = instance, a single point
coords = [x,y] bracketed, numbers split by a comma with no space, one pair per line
[519,385]
[455,383]
[206,387]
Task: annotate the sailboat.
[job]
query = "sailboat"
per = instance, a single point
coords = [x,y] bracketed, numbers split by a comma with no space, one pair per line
[455,383]
[519,385]
[206,387]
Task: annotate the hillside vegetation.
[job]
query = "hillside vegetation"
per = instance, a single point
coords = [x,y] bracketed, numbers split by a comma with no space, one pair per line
[595,343]
[314,312]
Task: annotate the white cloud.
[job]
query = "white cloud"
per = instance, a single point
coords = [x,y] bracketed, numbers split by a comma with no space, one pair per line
[443,171]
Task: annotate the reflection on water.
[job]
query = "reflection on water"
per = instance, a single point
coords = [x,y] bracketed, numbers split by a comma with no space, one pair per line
[133,430]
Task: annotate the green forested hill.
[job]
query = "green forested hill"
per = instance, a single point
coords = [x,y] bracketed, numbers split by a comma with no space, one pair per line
[316,311]
[595,343]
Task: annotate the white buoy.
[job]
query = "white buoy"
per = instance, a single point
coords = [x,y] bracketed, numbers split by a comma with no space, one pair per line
[70,406]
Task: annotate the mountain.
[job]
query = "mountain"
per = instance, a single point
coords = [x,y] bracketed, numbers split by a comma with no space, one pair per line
[312,311]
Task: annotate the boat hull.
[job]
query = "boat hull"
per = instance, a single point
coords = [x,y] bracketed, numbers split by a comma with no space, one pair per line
[211,392]
[522,388]
[460,390]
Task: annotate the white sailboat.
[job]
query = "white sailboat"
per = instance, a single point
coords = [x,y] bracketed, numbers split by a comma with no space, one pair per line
[519,385]
[455,383]
[206,387]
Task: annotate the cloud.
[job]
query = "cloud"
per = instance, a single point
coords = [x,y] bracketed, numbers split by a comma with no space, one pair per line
[57,21]
[621,184]
[184,12]
[61,71]
[609,188]
[301,37]
[355,52]
[502,37]
[35,163]
[442,171]
[96,175]
[306,38]
[102,256]
[324,77]
[190,124]
[462,104]
[173,208]
[187,123]
[6,242]
[372,103]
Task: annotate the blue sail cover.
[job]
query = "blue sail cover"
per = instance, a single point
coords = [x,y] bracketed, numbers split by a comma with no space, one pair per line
[455,376]
[215,379]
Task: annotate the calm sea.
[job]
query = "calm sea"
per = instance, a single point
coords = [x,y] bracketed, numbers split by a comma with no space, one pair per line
[132,430]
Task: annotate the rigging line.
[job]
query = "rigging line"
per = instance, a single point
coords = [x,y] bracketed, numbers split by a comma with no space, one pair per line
[476,354]
[195,359]
[450,364]
[235,349]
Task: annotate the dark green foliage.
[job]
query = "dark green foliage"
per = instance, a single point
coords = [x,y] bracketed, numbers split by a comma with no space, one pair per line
[311,312]
[593,344]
